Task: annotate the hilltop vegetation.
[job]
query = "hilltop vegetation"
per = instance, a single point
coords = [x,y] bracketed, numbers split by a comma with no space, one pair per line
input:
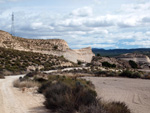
[20,61]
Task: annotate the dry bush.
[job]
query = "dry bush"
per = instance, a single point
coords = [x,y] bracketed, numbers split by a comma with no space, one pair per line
[65,98]
[73,95]
[130,74]
[2,76]
[96,107]
[44,86]
[28,84]
[116,107]
[146,77]
[58,98]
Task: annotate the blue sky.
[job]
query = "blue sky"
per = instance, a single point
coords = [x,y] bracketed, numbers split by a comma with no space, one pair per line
[105,24]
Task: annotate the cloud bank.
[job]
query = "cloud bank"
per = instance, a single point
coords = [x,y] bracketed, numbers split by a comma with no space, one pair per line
[128,27]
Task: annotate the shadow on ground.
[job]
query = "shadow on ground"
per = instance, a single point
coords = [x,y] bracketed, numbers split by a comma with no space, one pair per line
[40,109]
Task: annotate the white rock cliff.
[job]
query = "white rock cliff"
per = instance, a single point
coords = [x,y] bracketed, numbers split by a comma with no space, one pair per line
[56,47]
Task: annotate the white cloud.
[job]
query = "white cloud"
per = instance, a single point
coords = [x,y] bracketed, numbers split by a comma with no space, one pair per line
[146,19]
[83,12]
[136,8]
[97,1]
[128,22]
[135,15]
[98,22]
[37,25]
[69,22]
[148,33]
[141,44]
[98,31]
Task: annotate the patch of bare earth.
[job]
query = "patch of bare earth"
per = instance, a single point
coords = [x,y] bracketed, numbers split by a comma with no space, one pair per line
[12,100]
[134,92]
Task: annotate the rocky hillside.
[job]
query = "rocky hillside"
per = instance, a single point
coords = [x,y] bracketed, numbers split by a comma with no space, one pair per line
[98,61]
[142,60]
[56,47]
[14,61]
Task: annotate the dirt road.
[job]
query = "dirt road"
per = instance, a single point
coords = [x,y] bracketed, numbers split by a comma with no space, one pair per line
[14,101]
[134,92]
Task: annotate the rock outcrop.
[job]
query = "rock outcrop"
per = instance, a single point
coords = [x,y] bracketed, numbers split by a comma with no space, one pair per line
[139,58]
[97,61]
[142,60]
[56,47]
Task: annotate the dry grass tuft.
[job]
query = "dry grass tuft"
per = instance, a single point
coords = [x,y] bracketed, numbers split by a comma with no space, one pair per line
[27,84]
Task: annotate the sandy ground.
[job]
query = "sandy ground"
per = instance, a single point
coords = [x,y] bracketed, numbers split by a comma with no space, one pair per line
[12,100]
[134,92]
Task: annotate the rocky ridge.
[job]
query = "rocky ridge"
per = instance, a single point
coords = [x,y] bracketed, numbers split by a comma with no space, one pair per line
[56,47]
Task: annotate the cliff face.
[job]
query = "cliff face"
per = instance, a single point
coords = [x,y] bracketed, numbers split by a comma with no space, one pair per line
[56,47]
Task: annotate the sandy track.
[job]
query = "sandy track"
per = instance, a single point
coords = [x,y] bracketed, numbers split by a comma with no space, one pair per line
[14,101]
[134,92]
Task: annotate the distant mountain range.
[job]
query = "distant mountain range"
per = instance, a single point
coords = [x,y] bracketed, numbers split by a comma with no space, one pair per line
[116,52]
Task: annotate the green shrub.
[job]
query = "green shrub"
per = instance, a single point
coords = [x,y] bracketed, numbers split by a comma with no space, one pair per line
[126,73]
[130,74]
[70,81]
[55,47]
[136,75]
[79,62]
[98,55]
[107,64]
[133,64]
[106,73]
[31,74]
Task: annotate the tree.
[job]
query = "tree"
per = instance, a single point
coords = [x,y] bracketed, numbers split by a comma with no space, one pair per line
[98,55]
[55,47]
[133,64]
[79,62]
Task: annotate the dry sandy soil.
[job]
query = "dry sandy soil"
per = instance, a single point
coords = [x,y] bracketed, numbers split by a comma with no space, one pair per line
[134,92]
[12,100]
